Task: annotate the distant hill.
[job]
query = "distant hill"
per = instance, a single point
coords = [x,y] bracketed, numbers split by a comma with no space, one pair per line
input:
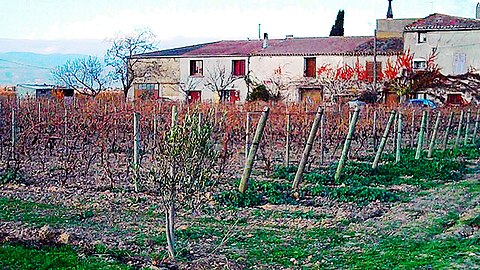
[25,67]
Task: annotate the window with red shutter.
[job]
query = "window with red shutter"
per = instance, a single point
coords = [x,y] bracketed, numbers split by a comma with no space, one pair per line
[310,67]
[238,67]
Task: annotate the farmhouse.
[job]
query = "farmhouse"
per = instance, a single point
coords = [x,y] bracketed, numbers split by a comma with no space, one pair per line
[226,70]
[454,41]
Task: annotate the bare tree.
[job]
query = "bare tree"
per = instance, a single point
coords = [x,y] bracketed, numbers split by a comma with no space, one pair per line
[121,57]
[219,80]
[87,76]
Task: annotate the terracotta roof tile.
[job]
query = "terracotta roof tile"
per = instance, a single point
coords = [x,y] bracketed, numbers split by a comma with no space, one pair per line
[289,46]
[437,21]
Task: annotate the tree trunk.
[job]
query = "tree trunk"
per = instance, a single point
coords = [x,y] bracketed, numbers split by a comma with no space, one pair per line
[170,230]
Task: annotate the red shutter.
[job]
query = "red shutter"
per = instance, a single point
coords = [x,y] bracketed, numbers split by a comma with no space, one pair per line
[310,67]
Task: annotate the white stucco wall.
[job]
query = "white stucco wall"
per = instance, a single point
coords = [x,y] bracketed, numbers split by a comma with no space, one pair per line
[292,67]
[448,45]
[262,69]
[211,65]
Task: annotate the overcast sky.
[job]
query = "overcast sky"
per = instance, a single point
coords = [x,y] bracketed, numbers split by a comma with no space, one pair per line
[181,22]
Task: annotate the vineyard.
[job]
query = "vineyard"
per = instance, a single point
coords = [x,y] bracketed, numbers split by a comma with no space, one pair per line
[356,159]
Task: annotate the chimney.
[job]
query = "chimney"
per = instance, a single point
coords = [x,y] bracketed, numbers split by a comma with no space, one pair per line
[390,12]
[477,15]
[265,41]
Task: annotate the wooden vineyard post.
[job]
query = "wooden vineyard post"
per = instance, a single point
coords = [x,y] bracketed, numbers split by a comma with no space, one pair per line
[14,130]
[383,142]
[346,146]
[459,131]
[65,128]
[467,127]
[155,125]
[399,139]
[308,148]
[418,153]
[447,132]
[374,130]
[431,147]
[475,129]
[412,131]
[322,138]
[247,136]
[253,150]
[287,140]
[136,149]
[427,126]
[39,108]
[394,137]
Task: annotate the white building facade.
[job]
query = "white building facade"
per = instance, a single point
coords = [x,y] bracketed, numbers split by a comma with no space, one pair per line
[196,73]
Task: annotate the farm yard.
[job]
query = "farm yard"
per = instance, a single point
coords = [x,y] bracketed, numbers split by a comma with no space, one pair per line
[92,184]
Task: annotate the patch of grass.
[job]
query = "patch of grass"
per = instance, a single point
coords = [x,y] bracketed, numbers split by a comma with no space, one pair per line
[15,256]
[401,253]
[282,248]
[39,214]
[258,193]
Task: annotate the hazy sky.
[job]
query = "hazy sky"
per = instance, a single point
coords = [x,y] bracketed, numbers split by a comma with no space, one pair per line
[185,21]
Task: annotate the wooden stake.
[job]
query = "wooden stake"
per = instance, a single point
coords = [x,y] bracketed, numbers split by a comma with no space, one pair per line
[467,127]
[374,132]
[412,131]
[447,132]
[431,147]
[383,142]
[346,146]
[136,149]
[247,136]
[253,151]
[308,148]
[287,141]
[418,153]
[459,131]
[14,130]
[475,129]
[322,139]
[399,139]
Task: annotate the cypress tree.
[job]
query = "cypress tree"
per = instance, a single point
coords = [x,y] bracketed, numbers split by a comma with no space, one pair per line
[337,28]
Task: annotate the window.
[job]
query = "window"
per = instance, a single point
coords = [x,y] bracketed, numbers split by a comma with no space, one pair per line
[146,86]
[310,70]
[238,67]
[459,63]
[230,95]
[370,74]
[422,37]
[419,64]
[196,68]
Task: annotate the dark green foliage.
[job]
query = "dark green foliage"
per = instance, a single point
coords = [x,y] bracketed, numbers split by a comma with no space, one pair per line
[10,176]
[337,28]
[258,193]
[361,184]
[259,92]
[282,172]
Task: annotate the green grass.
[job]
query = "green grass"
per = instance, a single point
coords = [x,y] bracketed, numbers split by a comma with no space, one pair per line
[40,214]
[400,253]
[15,256]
